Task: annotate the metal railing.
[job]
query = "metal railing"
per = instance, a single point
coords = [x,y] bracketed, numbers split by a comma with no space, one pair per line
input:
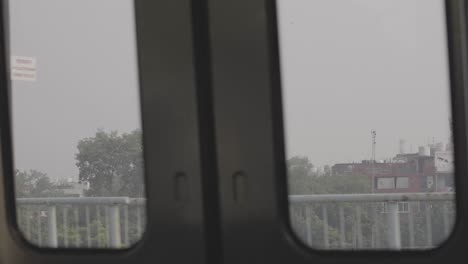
[81,222]
[373,221]
[328,221]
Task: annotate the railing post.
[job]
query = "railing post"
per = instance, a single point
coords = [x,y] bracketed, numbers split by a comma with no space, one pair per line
[114,227]
[77,227]
[445,215]
[39,228]
[139,224]
[125,219]
[411,225]
[326,242]
[52,226]
[360,242]
[28,223]
[394,235]
[375,226]
[65,226]
[107,229]
[98,227]
[342,228]
[428,224]
[88,227]
[354,234]
[308,225]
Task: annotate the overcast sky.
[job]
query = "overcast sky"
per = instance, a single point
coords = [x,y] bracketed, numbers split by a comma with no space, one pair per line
[87,78]
[350,66]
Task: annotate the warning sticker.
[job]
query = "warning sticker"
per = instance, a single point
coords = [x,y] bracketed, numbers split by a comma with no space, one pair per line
[23,68]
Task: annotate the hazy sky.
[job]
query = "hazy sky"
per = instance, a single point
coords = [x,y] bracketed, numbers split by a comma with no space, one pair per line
[350,66]
[87,78]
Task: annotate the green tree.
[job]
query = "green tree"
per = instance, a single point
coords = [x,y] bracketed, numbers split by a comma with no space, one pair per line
[112,164]
[300,173]
[302,180]
[36,184]
[300,166]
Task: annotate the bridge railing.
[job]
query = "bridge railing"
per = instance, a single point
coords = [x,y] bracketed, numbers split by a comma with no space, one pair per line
[328,221]
[81,222]
[373,221]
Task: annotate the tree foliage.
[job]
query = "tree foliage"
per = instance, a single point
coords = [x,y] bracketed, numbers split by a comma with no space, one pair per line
[112,163]
[303,180]
[35,184]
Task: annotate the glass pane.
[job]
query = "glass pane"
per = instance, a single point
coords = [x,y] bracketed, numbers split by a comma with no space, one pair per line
[366,96]
[76,123]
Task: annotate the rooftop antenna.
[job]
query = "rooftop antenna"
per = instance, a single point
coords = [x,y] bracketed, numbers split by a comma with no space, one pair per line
[374,135]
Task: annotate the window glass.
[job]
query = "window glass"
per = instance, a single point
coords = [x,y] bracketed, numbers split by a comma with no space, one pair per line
[402,183]
[77,137]
[385,183]
[367,120]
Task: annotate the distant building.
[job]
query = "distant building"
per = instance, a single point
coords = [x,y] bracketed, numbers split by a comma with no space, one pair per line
[429,170]
[75,189]
[71,188]
[444,164]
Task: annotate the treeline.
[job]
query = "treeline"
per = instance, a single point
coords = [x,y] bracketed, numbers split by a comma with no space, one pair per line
[35,184]
[110,162]
[302,179]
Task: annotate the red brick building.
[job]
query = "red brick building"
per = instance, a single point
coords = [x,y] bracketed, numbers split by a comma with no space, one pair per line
[405,173]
